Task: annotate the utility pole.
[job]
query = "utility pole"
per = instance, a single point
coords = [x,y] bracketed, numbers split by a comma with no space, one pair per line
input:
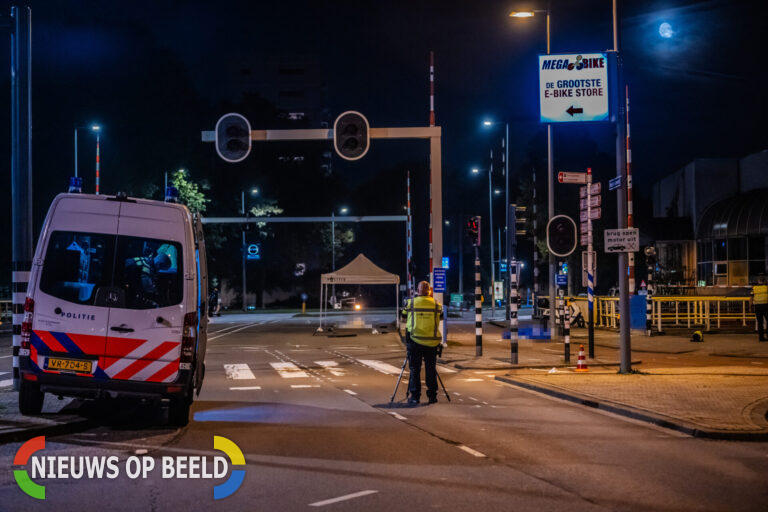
[625,347]
[243,251]
[21,170]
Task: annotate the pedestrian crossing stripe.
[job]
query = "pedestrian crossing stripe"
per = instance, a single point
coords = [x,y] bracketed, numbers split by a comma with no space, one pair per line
[289,370]
[238,371]
[332,367]
[380,366]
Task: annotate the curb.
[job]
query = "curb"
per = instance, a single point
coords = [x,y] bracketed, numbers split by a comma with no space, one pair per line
[25,434]
[630,412]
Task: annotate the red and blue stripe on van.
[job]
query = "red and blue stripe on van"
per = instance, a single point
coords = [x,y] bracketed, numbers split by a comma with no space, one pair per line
[125,359]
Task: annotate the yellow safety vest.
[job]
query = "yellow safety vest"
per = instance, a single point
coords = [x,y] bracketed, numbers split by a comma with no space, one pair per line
[424,315]
[760,292]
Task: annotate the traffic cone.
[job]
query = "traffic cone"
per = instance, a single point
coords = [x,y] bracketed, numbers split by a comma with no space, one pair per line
[582,364]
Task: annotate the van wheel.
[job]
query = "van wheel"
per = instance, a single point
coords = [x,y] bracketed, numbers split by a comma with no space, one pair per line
[30,398]
[178,411]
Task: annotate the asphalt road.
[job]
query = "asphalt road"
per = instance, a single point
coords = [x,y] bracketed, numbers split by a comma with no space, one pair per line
[311,415]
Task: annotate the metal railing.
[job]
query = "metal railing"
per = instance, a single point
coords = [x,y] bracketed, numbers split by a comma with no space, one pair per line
[679,311]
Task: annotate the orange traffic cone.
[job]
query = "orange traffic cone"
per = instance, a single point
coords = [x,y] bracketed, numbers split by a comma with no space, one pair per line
[582,364]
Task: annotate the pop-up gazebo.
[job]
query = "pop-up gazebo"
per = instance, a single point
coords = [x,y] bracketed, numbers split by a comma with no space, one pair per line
[361,270]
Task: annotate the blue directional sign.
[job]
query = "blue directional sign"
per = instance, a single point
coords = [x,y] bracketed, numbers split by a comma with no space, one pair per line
[614,183]
[503,266]
[561,280]
[446,262]
[253,252]
[438,279]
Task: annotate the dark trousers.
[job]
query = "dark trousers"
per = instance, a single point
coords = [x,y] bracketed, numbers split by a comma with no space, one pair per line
[416,353]
[761,313]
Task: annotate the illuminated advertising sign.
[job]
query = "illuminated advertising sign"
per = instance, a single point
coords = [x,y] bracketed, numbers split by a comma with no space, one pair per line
[573,88]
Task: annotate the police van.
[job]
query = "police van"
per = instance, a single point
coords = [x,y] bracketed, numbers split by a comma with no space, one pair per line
[116,304]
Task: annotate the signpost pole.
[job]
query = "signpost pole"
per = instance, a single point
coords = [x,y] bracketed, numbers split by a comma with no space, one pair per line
[512,295]
[478,306]
[244,251]
[590,265]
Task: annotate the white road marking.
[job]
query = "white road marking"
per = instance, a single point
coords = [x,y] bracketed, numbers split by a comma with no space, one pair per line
[4,373]
[289,370]
[6,383]
[350,392]
[473,398]
[333,367]
[238,371]
[380,366]
[471,451]
[457,394]
[342,498]
[234,331]
[472,380]
[141,451]
[6,357]
[398,416]
[245,388]
[297,386]
[446,369]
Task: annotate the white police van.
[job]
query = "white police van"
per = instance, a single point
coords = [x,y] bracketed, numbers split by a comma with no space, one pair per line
[116,304]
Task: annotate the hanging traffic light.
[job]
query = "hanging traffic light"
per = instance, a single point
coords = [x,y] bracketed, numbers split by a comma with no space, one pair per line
[561,236]
[473,228]
[351,135]
[233,137]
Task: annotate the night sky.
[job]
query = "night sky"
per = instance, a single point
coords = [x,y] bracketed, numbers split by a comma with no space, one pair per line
[156,73]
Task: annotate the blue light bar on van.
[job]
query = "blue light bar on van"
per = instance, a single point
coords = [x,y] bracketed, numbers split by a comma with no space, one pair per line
[171,195]
[75,185]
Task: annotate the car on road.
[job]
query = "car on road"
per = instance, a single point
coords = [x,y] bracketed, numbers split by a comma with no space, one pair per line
[116,304]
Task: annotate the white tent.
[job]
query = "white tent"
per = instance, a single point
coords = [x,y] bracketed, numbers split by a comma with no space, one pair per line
[361,270]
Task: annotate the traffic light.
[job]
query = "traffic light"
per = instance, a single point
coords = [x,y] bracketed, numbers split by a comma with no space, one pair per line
[233,137]
[351,135]
[473,228]
[561,236]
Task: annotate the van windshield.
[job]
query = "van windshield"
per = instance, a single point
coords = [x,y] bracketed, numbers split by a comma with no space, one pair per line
[146,273]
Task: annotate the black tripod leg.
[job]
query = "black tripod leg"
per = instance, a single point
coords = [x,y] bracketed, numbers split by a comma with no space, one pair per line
[402,370]
[442,385]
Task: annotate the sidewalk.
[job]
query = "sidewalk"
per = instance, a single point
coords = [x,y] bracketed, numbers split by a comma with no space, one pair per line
[55,419]
[716,389]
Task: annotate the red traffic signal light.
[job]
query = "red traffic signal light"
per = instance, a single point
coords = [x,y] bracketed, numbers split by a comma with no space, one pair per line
[473,228]
[561,236]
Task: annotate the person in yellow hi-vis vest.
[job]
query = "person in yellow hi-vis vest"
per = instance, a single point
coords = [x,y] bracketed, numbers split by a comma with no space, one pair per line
[760,300]
[423,315]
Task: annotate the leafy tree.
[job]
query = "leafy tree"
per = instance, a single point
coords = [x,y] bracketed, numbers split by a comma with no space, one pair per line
[190,193]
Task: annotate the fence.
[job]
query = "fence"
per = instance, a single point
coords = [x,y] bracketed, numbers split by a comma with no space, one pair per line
[679,311]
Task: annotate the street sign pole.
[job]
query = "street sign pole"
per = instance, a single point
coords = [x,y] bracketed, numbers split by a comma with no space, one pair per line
[590,275]
[512,273]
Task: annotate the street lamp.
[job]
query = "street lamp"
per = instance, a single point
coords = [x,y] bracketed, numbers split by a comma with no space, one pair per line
[343,210]
[550,168]
[96,129]
[475,171]
[254,192]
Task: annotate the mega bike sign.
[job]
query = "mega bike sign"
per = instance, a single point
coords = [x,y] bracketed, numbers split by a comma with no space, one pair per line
[574,87]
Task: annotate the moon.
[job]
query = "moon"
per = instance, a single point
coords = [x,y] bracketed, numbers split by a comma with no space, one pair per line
[665,30]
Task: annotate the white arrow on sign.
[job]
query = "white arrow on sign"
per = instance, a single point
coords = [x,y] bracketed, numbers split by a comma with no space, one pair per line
[593,214]
[594,202]
[595,189]
[572,177]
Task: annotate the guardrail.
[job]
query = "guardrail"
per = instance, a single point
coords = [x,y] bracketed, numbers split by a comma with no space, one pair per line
[678,311]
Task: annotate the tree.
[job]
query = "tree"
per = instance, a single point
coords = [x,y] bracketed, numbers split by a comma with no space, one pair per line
[190,193]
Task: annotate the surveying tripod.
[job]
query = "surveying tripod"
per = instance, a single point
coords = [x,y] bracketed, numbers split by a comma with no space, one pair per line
[402,370]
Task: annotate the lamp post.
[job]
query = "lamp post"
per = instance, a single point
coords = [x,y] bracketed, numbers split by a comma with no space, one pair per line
[505,156]
[96,129]
[343,210]
[550,170]
[254,192]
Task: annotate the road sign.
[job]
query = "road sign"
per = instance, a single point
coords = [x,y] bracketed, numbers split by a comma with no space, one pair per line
[584,239]
[253,252]
[503,266]
[498,290]
[584,265]
[300,269]
[446,262]
[561,280]
[583,227]
[594,202]
[572,177]
[614,183]
[438,280]
[622,240]
[595,189]
[594,214]
[457,298]
[573,87]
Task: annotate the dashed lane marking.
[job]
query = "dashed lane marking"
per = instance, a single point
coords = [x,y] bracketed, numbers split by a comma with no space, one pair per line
[446,369]
[398,416]
[350,392]
[333,367]
[380,366]
[472,380]
[245,388]
[342,498]
[234,331]
[289,370]
[298,386]
[238,371]
[471,451]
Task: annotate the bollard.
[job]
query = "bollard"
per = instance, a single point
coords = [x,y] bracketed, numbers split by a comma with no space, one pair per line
[567,334]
